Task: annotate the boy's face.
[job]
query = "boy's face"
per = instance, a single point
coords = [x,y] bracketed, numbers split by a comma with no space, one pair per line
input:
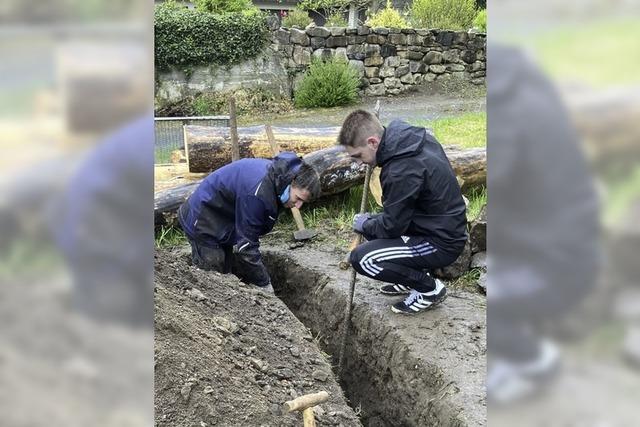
[297,197]
[365,153]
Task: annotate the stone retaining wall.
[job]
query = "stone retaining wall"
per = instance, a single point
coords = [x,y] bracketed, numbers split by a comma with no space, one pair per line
[389,60]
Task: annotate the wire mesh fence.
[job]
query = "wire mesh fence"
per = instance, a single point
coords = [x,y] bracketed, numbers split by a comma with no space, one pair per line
[169,135]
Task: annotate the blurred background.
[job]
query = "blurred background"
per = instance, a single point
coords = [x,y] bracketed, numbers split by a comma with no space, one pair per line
[76,189]
[564,178]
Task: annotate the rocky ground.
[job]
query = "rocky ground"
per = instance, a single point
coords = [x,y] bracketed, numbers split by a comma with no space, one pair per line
[227,354]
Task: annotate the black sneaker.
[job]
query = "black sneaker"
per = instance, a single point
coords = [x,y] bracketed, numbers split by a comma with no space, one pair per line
[395,290]
[420,301]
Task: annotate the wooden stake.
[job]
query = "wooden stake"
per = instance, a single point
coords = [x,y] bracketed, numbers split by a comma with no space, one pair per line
[233,125]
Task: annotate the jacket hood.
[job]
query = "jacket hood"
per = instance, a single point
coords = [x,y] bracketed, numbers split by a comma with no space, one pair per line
[399,140]
[285,166]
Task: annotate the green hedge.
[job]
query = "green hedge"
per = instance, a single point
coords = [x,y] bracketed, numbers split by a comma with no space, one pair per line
[186,37]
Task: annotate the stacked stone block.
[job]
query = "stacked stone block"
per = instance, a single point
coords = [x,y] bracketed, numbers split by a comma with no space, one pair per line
[389,60]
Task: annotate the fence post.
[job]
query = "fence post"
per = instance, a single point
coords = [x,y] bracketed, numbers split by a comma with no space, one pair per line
[233,125]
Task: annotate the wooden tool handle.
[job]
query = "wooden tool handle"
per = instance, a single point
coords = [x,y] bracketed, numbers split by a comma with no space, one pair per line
[308,418]
[306,401]
[298,218]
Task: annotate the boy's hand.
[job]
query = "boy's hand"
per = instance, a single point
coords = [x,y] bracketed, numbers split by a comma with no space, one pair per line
[359,220]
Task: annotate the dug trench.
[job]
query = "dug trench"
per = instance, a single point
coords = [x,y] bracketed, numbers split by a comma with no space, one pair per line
[228,354]
[427,369]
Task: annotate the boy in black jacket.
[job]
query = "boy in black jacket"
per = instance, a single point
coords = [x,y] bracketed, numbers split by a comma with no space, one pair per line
[423,223]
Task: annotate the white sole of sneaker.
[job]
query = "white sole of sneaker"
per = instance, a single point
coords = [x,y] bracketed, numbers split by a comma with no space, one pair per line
[432,306]
[395,293]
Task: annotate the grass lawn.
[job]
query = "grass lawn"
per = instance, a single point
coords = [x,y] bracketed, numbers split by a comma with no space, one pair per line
[468,130]
[601,53]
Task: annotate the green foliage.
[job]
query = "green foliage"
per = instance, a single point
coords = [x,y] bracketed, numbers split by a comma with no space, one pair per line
[335,19]
[327,84]
[185,37]
[169,237]
[224,6]
[477,199]
[443,14]
[480,22]
[297,18]
[331,7]
[387,18]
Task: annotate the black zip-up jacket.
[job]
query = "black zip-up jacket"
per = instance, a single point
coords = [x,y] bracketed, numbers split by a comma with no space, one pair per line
[420,193]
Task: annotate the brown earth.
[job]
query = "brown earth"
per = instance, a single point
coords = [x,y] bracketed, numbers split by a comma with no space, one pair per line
[227,354]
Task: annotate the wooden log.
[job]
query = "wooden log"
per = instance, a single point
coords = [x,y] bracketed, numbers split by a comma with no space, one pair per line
[210,148]
[307,401]
[337,173]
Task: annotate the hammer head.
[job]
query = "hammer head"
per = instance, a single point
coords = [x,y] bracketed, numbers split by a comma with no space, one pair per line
[304,234]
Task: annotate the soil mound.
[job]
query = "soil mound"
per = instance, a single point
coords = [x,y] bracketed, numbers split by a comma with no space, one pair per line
[227,354]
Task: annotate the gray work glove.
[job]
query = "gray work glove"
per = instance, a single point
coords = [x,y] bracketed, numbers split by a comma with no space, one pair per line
[359,220]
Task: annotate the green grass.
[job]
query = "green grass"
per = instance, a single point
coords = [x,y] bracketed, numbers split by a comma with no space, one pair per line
[468,130]
[477,199]
[601,53]
[169,237]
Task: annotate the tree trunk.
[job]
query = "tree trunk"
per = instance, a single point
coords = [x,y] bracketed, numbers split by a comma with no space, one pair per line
[337,173]
[209,148]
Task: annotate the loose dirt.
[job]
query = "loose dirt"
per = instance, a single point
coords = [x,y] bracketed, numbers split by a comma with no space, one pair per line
[227,354]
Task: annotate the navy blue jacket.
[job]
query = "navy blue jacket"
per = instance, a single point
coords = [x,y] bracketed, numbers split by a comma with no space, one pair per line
[420,193]
[237,204]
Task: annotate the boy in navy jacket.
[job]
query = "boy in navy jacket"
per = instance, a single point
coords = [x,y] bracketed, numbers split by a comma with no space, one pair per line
[237,204]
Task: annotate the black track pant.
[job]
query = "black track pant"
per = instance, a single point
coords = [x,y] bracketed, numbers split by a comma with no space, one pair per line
[405,261]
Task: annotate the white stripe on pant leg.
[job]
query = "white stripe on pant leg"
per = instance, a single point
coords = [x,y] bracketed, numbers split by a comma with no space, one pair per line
[370,262]
[368,258]
[395,248]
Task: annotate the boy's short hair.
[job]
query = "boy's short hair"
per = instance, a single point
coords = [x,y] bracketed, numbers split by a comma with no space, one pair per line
[357,127]
[307,179]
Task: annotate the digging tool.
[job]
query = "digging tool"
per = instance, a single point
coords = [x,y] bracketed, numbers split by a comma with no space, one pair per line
[305,405]
[357,240]
[302,233]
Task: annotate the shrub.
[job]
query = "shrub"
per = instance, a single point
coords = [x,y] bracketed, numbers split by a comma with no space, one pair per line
[335,20]
[224,6]
[480,22]
[327,84]
[185,37]
[296,18]
[444,14]
[387,18]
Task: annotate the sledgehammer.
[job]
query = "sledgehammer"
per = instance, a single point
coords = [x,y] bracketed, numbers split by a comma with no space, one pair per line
[302,233]
[305,404]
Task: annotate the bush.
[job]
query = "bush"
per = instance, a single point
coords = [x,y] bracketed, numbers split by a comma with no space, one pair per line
[327,84]
[296,18]
[224,6]
[387,18]
[185,37]
[335,20]
[481,21]
[443,14]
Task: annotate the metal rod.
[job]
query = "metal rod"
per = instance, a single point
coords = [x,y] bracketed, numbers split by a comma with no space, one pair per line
[363,208]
